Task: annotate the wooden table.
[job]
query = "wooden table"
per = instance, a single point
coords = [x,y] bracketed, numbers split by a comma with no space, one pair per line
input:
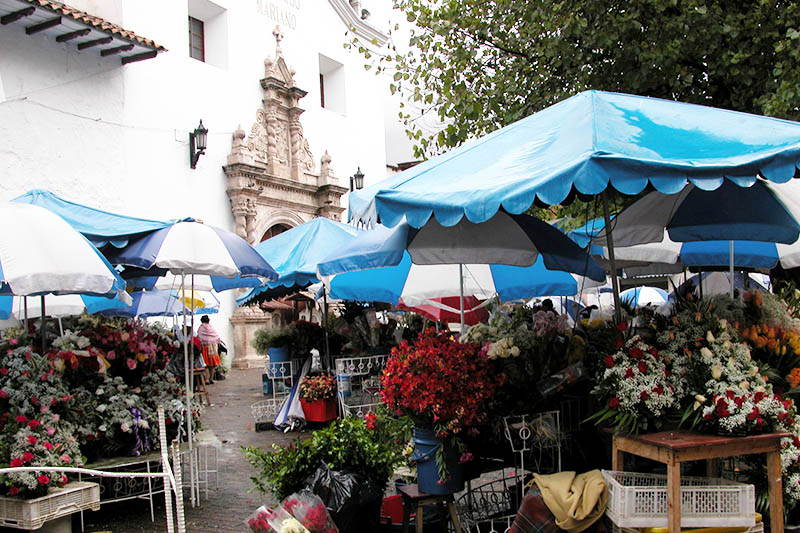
[674,447]
[412,497]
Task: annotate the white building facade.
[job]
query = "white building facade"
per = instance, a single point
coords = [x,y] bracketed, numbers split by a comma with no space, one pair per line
[291,114]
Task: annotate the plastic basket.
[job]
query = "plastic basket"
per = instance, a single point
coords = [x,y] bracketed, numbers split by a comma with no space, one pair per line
[640,500]
[266,410]
[758,528]
[32,514]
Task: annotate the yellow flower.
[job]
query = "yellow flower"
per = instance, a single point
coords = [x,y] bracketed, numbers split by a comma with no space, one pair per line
[706,353]
[710,336]
[716,371]
[699,400]
[744,385]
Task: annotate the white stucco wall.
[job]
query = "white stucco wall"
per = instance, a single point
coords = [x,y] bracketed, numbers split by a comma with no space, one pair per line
[116,137]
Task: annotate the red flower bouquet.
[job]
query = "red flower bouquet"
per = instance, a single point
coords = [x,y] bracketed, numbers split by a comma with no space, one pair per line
[439,383]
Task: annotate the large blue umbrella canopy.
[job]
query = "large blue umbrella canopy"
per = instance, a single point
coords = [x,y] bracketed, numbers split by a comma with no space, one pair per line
[295,253]
[586,143]
[99,226]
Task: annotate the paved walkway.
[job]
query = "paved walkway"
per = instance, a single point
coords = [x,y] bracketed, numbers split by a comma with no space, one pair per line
[230,505]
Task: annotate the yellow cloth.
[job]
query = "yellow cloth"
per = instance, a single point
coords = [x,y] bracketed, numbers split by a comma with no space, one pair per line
[576,501]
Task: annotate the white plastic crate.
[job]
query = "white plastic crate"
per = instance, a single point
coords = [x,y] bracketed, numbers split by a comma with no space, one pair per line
[32,514]
[758,528]
[640,500]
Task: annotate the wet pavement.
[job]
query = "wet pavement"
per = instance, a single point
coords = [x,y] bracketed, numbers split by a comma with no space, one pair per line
[227,507]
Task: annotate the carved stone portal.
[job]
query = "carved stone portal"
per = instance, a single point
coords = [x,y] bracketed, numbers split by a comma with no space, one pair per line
[271,180]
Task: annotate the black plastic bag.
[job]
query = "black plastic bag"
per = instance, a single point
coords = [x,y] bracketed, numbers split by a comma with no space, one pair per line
[353,500]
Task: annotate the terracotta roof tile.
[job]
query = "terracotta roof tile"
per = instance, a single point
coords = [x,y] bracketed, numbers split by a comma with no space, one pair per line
[96,22]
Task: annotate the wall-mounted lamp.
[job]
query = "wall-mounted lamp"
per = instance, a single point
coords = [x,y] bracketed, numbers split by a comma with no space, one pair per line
[357,181]
[197,144]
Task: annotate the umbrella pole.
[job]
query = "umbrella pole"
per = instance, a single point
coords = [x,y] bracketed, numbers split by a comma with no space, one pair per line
[187,378]
[730,254]
[43,323]
[461,294]
[25,303]
[325,326]
[612,261]
[192,464]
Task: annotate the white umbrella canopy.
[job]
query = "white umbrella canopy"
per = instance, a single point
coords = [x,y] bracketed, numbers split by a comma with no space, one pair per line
[40,253]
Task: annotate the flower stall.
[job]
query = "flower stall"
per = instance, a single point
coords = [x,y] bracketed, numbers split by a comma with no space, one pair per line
[93,395]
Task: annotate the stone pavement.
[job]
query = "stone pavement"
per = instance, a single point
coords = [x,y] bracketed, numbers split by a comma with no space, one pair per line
[230,505]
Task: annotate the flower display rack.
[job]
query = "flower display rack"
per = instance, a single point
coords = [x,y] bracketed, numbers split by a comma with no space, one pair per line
[280,378]
[265,411]
[490,506]
[32,514]
[536,438]
[640,500]
[358,383]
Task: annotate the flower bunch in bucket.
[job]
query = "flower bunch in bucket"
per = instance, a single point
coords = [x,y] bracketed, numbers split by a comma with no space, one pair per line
[322,387]
[442,385]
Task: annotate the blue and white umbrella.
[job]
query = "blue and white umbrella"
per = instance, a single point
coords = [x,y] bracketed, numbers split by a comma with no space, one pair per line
[159,303]
[56,305]
[641,296]
[41,254]
[192,248]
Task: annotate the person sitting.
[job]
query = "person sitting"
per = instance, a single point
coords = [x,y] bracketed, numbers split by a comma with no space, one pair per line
[209,339]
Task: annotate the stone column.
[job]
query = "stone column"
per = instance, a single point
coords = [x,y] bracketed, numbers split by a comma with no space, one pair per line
[250,221]
[245,321]
[239,216]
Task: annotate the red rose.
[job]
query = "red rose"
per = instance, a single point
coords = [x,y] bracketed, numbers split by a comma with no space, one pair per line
[47,445]
[644,396]
[637,353]
[15,462]
[609,361]
[32,440]
[629,373]
[22,419]
[618,342]
[758,396]
[27,457]
[729,393]
[13,491]
[43,480]
[642,366]
[659,390]
[4,371]
[613,403]
[622,326]
[33,424]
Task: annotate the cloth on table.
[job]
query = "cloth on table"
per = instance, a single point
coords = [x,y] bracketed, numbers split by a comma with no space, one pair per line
[576,501]
[533,515]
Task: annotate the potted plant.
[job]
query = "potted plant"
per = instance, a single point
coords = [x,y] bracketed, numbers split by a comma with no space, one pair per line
[275,342]
[443,386]
[317,395]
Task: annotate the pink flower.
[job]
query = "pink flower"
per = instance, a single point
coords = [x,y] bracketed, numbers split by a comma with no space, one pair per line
[3,394]
[13,341]
[131,363]
[51,431]
[66,459]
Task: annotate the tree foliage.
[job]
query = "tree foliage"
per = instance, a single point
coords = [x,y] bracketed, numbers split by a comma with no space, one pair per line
[480,65]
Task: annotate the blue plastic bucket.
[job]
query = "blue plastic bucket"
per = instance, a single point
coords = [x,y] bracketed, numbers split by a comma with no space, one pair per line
[426,447]
[278,355]
[266,385]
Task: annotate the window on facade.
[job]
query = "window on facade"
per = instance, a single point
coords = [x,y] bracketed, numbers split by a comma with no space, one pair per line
[208,32]
[331,85]
[197,48]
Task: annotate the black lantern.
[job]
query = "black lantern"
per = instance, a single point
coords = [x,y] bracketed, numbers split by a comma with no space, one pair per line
[357,180]
[197,144]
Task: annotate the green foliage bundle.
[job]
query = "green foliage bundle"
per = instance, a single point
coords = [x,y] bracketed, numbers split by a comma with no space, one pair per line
[347,445]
